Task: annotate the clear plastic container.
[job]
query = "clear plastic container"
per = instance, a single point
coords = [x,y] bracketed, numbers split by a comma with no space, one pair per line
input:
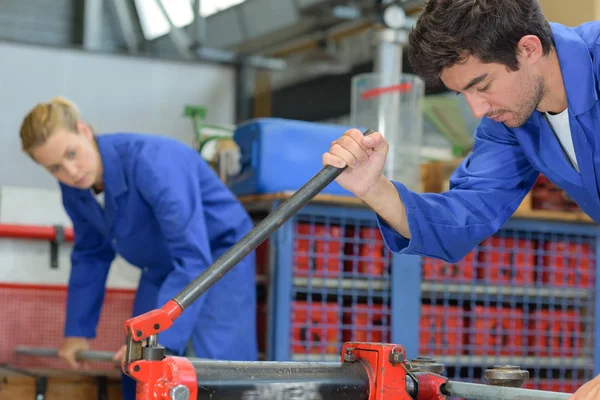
[394,107]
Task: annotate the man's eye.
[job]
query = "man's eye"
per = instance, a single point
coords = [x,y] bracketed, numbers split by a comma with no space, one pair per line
[483,89]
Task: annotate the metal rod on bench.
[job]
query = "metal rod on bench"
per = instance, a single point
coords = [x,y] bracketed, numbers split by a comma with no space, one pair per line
[89,355]
[258,234]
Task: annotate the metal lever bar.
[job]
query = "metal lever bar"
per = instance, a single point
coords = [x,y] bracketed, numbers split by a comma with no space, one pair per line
[258,235]
[488,392]
[89,355]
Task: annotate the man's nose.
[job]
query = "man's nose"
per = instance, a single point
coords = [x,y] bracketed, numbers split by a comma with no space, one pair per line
[479,106]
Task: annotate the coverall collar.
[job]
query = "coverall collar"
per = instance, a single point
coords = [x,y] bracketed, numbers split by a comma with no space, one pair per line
[113,174]
[577,69]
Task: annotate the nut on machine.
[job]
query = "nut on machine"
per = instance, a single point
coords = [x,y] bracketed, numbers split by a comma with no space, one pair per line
[366,371]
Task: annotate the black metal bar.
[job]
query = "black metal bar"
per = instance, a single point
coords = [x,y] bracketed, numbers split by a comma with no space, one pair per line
[102,390]
[41,385]
[258,234]
[54,244]
[223,380]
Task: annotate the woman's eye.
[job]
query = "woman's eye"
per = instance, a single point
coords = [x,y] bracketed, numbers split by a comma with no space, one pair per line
[71,154]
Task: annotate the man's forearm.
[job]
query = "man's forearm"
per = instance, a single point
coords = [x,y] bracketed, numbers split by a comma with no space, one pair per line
[384,199]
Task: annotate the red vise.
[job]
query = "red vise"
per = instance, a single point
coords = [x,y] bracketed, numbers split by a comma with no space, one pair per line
[157,380]
[153,322]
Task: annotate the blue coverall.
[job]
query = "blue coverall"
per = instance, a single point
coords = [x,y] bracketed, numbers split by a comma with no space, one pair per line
[489,185]
[167,213]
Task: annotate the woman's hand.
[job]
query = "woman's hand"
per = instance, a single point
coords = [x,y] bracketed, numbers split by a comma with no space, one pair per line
[70,347]
[120,354]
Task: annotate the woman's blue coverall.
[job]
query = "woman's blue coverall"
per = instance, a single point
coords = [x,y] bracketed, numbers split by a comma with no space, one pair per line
[167,213]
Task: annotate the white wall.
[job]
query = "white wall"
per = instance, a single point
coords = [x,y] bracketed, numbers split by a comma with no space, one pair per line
[114,93]
[28,261]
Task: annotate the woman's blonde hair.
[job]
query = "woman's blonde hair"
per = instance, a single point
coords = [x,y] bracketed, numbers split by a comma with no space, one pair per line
[45,118]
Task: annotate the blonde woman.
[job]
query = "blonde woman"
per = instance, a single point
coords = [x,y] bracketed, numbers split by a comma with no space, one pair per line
[155,202]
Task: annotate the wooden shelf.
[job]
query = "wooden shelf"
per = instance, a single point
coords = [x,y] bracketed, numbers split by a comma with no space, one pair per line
[526,211]
[58,388]
[431,184]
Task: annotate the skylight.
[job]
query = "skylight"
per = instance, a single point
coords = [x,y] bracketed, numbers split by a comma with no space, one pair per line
[154,24]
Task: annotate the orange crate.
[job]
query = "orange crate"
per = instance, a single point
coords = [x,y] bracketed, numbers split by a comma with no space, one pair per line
[439,270]
[315,327]
[374,260]
[567,264]
[441,330]
[366,323]
[319,251]
[555,333]
[496,331]
[507,260]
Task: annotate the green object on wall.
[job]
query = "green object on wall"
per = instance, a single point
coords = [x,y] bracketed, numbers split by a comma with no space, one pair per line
[198,116]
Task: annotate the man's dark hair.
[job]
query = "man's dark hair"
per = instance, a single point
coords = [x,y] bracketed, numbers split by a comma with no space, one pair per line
[448,31]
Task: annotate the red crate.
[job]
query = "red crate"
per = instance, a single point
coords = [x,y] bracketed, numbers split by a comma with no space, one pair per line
[373,260]
[507,260]
[318,250]
[553,385]
[366,323]
[261,326]
[567,264]
[262,258]
[439,270]
[315,327]
[555,333]
[441,330]
[496,331]
[547,196]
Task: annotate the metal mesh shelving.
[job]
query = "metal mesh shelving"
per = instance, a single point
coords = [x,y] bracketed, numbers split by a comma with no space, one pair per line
[525,296]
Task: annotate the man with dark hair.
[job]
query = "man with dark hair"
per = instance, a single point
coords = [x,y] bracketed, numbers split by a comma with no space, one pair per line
[535,87]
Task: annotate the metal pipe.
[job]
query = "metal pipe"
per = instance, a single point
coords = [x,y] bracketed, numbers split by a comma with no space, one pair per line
[258,235]
[89,355]
[474,391]
[225,380]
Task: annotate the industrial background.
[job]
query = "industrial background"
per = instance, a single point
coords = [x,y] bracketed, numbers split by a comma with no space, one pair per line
[214,73]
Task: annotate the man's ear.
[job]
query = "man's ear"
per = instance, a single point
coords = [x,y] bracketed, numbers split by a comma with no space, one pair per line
[529,49]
